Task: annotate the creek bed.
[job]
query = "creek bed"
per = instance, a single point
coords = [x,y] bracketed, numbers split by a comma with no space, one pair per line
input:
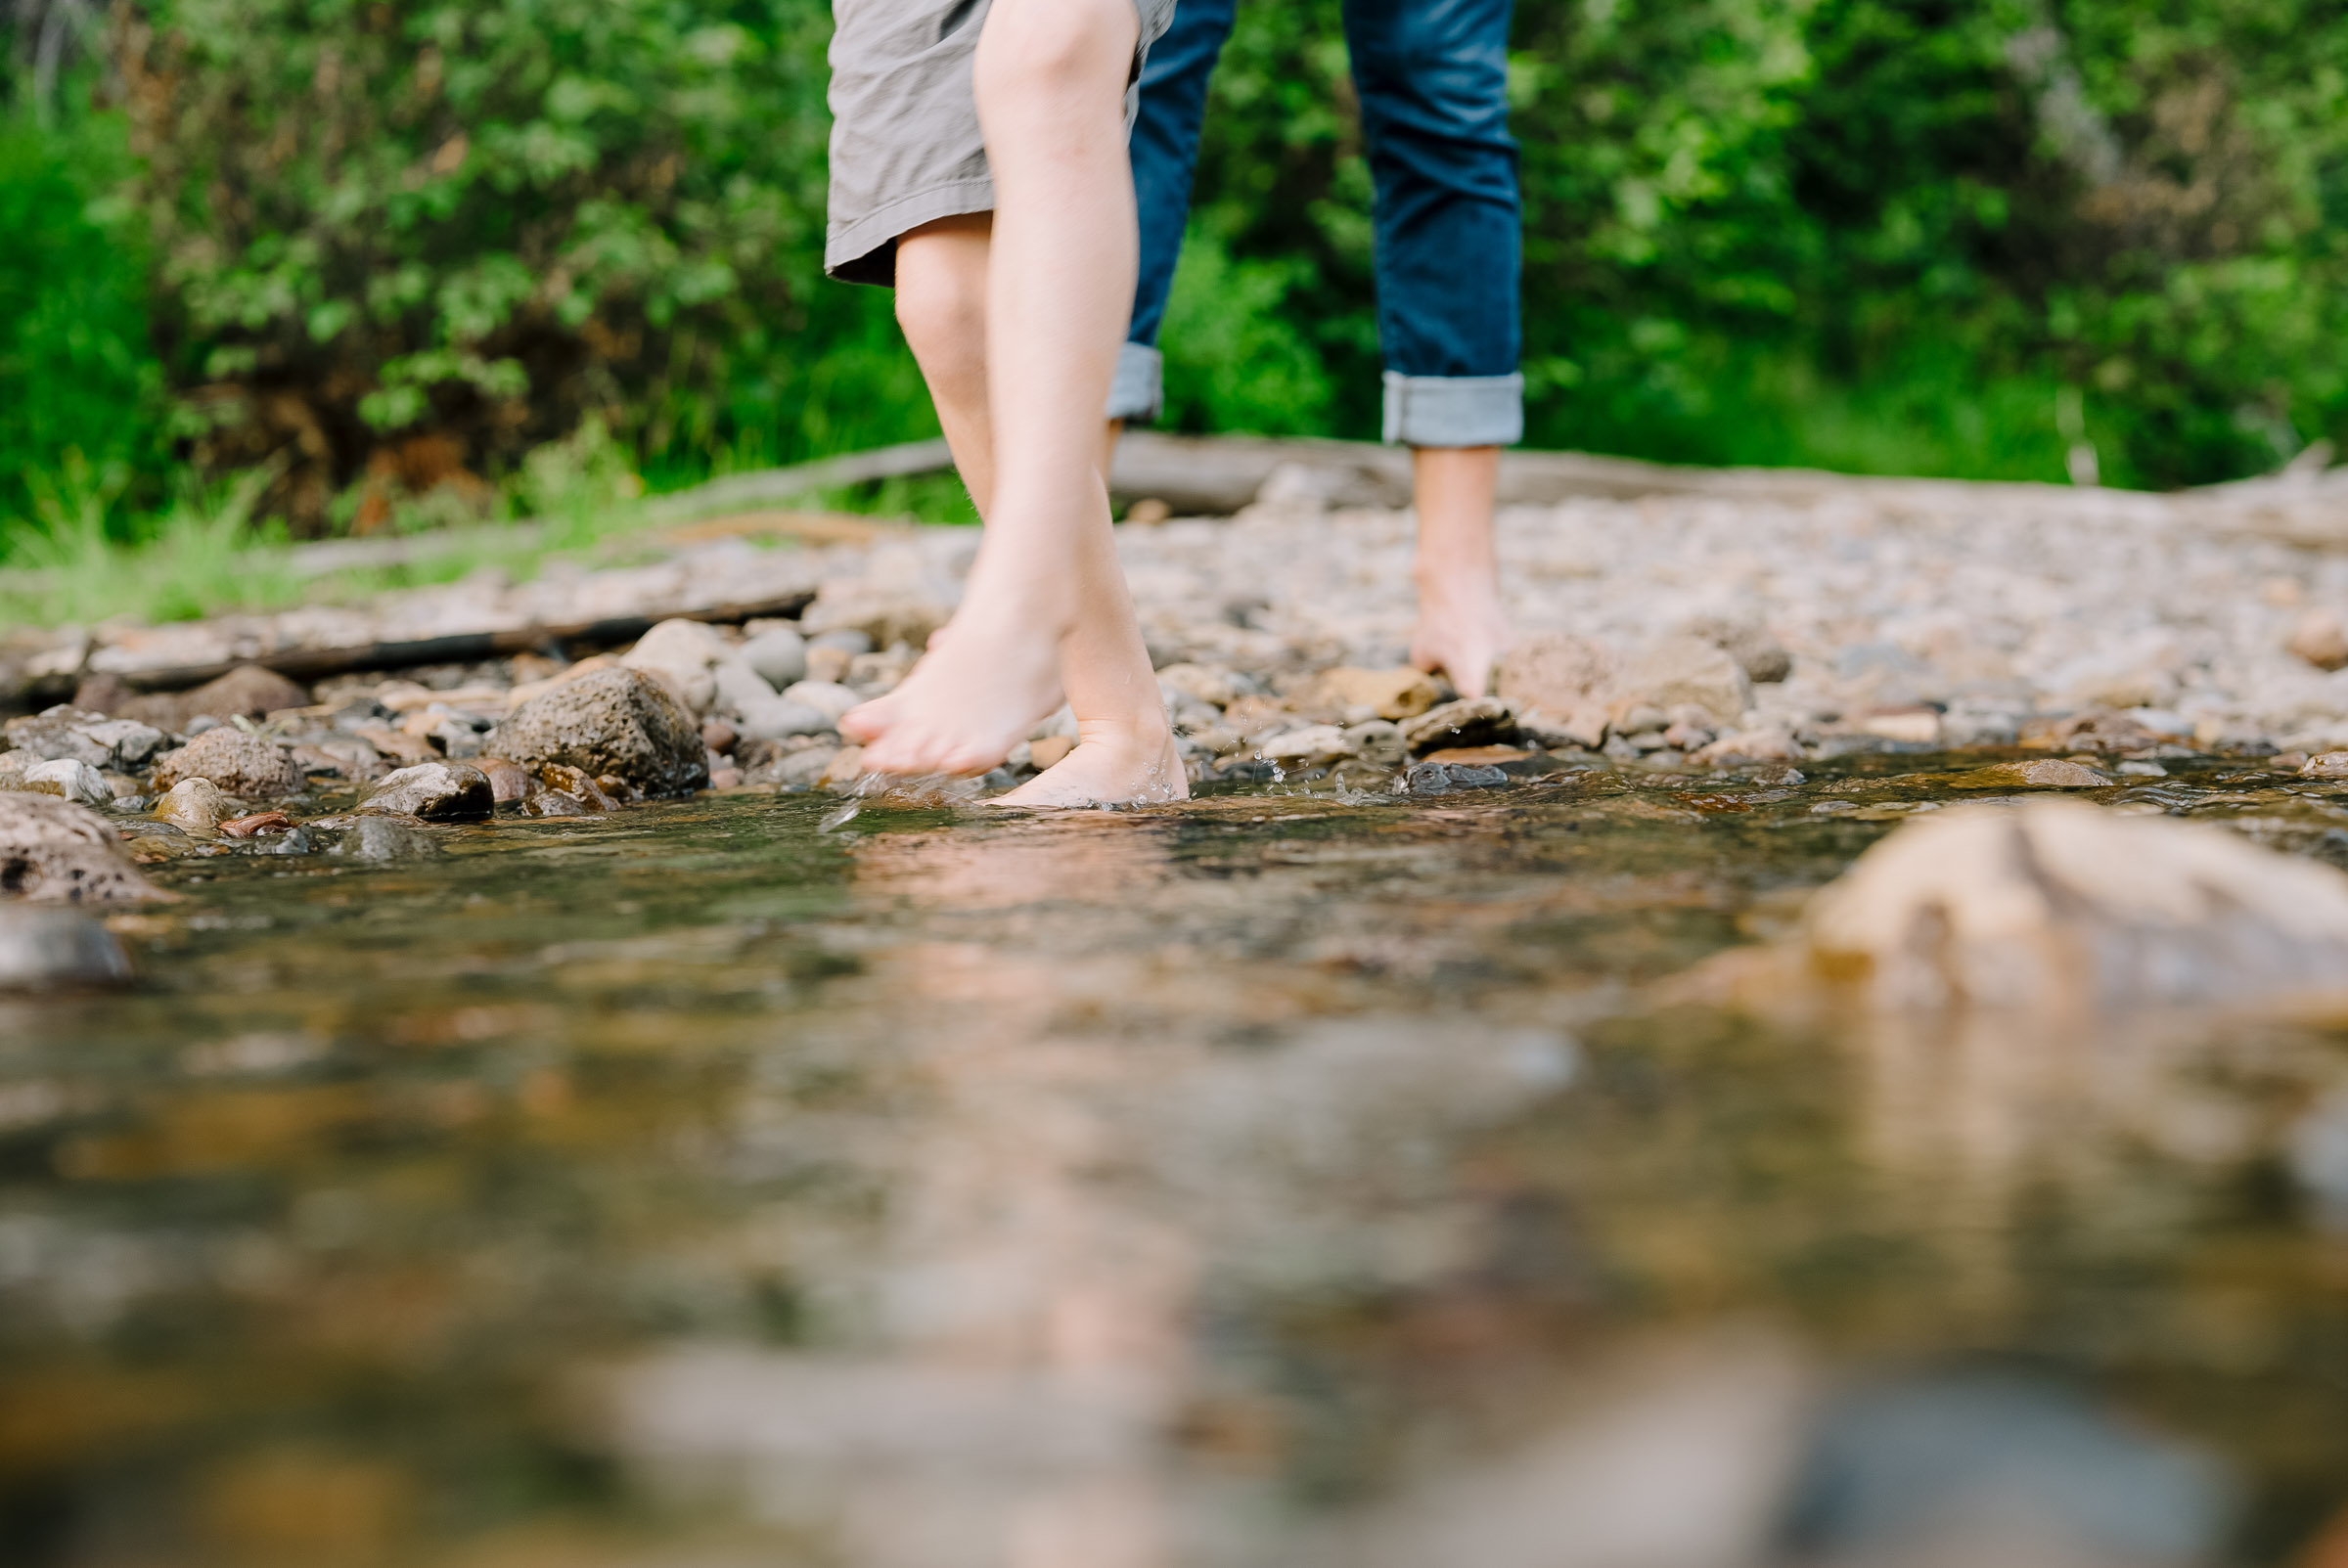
[1283,1178]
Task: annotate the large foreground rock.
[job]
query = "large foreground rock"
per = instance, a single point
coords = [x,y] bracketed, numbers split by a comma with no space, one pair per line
[45,948]
[616,720]
[2053,903]
[57,852]
[243,765]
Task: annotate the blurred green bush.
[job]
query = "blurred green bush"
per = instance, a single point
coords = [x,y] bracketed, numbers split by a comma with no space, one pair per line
[381,245]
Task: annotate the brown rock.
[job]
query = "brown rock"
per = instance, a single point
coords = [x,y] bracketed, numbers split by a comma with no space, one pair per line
[55,851]
[1472,721]
[1761,655]
[1402,693]
[1550,675]
[2042,773]
[249,692]
[2057,903]
[195,806]
[2326,765]
[260,821]
[1685,670]
[2095,730]
[508,780]
[1478,756]
[239,764]
[615,720]
[2321,639]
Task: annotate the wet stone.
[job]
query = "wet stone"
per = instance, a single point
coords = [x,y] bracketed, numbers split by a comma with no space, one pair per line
[1447,778]
[383,839]
[45,948]
[59,734]
[432,791]
[615,721]
[192,805]
[1472,722]
[2043,773]
[509,782]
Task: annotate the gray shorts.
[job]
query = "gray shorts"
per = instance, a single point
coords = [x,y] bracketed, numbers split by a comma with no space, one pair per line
[905,143]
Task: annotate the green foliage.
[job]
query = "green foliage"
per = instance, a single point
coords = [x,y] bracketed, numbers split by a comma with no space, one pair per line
[77,378]
[1234,362]
[1871,233]
[490,219]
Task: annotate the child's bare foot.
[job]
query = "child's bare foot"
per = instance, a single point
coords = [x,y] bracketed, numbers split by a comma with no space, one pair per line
[1462,630]
[963,707]
[1112,765]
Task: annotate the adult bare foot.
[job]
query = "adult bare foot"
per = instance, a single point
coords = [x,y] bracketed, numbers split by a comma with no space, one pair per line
[1114,764]
[963,707]
[1462,630]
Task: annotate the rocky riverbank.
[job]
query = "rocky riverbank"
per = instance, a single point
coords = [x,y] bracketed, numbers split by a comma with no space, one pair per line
[1687,633]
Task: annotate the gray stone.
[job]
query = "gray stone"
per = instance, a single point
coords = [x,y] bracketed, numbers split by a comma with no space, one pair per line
[60,733]
[1472,721]
[612,720]
[1446,778]
[432,791]
[847,639]
[130,743]
[382,840]
[42,948]
[60,852]
[779,656]
[67,779]
[243,765]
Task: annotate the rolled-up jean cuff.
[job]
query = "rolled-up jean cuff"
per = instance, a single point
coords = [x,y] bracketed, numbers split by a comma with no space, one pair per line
[1139,391]
[1454,410]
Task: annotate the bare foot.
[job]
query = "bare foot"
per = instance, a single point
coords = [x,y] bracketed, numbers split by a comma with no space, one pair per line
[1462,631]
[964,706]
[1112,765]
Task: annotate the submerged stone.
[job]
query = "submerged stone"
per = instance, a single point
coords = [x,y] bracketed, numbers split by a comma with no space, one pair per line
[1443,778]
[2043,773]
[45,948]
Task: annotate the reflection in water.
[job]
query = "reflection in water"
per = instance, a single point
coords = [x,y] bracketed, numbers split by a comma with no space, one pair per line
[1271,1180]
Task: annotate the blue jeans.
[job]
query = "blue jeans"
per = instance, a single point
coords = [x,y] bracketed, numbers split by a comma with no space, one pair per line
[1432,77]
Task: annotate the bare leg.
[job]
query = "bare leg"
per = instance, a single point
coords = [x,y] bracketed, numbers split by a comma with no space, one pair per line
[1046,604]
[1462,627]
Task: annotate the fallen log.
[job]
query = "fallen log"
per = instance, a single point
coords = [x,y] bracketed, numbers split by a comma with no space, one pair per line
[463,647]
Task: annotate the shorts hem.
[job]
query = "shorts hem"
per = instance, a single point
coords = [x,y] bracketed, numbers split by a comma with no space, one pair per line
[865,249]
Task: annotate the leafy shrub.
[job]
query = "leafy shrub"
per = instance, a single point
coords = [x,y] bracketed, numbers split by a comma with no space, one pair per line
[77,376]
[483,221]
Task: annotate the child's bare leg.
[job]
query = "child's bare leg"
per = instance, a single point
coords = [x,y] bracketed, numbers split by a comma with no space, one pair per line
[1462,627]
[1050,77]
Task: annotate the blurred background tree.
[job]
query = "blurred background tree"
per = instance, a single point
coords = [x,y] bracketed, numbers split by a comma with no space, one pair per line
[387,248]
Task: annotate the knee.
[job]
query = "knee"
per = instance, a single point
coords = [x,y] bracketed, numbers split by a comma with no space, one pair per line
[1042,51]
[943,316]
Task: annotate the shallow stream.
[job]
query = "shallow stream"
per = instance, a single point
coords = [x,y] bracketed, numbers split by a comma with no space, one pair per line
[1279,1178]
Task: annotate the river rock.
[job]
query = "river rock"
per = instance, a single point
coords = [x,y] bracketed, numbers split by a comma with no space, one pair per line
[58,851]
[1402,693]
[68,779]
[195,806]
[1447,778]
[1756,650]
[885,615]
[828,698]
[1316,746]
[779,656]
[432,791]
[240,764]
[61,733]
[2051,904]
[508,780]
[380,839]
[760,713]
[615,720]
[2040,773]
[41,949]
[1470,722]
[1552,679]
[2326,765]
[681,655]
[2319,639]
[1685,670]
